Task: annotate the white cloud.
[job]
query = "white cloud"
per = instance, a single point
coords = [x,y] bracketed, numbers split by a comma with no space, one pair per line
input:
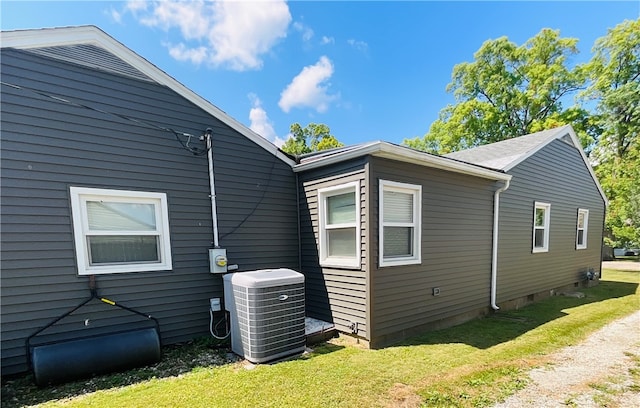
[192,18]
[358,45]
[135,6]
[115,15]
[222,33]
[327,40]
[260,122]
[279,142]
[307,33]
[182,53]
[309,88]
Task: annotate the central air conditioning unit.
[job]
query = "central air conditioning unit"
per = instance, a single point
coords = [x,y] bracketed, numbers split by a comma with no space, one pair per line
[266,310]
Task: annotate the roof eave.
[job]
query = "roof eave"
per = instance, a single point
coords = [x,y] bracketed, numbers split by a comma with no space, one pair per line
[51,37]
[562,131]
[390,151]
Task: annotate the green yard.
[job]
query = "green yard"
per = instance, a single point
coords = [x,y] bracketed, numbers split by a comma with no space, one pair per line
[471,365]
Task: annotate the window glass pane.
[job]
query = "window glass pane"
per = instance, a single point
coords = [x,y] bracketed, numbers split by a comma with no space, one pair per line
[539,238]
[342,242]
[123,249]
[106,216]
[341,208]
[540,217]
[398,241]
[580,220]
[580,237]
[398,207]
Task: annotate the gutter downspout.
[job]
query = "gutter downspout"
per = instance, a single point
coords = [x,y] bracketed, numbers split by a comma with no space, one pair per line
[212,187]
[494,255]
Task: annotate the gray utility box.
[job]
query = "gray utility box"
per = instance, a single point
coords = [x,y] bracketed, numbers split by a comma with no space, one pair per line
[266,310]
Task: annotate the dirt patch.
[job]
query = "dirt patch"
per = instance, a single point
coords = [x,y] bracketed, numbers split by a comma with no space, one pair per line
[599,372]
[403,396]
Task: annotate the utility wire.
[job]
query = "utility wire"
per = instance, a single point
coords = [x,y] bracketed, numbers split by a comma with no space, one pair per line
[197,151]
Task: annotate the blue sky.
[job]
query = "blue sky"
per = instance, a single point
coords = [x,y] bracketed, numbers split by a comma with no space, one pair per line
[369,70]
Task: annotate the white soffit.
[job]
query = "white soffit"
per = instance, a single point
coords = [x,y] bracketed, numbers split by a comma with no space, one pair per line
[407,155]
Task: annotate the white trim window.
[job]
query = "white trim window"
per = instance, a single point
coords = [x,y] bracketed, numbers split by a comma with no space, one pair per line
[400,223]
[541,218]
[119,231]
[582,226]
[339,221]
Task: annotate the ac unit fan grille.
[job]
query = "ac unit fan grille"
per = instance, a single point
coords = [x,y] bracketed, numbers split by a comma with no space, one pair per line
[270,320]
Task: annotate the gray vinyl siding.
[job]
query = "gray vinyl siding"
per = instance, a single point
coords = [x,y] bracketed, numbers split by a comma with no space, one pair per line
[556,175]
[337,295]
[48,146]
[456,252]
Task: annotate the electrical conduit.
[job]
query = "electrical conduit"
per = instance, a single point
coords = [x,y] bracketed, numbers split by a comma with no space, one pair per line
[212,187]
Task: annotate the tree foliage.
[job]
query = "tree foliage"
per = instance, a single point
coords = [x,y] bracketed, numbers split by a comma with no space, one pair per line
[614,72]
[312,138]
[508,91]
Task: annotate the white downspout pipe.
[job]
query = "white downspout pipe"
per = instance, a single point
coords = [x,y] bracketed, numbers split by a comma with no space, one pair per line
[494,255]
[212,187]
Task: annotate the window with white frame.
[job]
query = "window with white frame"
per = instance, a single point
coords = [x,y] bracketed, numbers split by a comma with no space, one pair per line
[120,231]
[581,228]
[400,223]
[541,217]
[339,221]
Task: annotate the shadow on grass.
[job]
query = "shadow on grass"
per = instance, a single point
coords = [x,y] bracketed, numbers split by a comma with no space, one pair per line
[323,348]
[501,327]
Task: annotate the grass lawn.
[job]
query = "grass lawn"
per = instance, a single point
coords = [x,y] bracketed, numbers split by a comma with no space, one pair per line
[471,365]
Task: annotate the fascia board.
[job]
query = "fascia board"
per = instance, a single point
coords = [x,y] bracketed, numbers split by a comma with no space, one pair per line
[578,145]
[412,156]
[50,37]
[389,151]
[560,132]
[564,130]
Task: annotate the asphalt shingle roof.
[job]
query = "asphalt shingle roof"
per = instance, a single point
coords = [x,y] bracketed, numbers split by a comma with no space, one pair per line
[500,155]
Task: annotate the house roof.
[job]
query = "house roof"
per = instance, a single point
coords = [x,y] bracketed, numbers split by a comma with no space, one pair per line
[395,152]
[507,154]
[92,47]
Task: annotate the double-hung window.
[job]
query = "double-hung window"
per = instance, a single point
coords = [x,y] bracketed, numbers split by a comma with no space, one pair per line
[581,228]
[400,223]
[120,231]
[339,221]
[541,217]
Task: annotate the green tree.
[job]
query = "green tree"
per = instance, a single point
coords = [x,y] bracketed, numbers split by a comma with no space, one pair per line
[509,91]
[312,138]
[614,71]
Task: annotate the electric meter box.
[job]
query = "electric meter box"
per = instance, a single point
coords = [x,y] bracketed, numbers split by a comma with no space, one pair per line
[218,260]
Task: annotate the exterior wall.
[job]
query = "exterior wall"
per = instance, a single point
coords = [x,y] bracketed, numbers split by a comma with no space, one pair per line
[48,146]
[337,295]
[457,223]
[556,175]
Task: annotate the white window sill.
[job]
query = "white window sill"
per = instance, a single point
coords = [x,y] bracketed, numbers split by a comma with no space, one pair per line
[539,250]
[107,269]
[340,264]
[400,262]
